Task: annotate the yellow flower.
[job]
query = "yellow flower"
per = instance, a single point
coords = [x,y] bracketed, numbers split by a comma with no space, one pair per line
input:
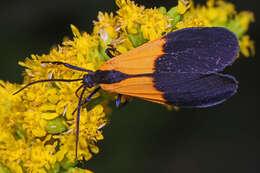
[246,46]
[190,21]
[183,6]
[140,24]
[154,24]
[245,18]
[44,110]
[223,14]
[41,155]
[107,26]
[38,127]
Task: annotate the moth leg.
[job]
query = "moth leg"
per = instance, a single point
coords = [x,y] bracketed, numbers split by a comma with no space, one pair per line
[91,95]
[67,65]
[111,49]
[82,163]
[77,91]
[77,121]
[107,51]
[88,98]
[78,112]
[118,101]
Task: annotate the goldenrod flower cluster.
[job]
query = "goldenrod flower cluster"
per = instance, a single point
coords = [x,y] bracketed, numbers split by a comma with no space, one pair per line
[37,126]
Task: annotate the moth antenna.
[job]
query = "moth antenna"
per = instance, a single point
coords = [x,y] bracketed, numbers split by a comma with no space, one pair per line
[73,67]
[47,80]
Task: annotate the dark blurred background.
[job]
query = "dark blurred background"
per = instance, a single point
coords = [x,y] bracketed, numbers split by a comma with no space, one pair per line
[144,137]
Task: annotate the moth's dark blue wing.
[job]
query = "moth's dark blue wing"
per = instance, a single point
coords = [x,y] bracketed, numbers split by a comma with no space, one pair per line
[194,89]
[198,50]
